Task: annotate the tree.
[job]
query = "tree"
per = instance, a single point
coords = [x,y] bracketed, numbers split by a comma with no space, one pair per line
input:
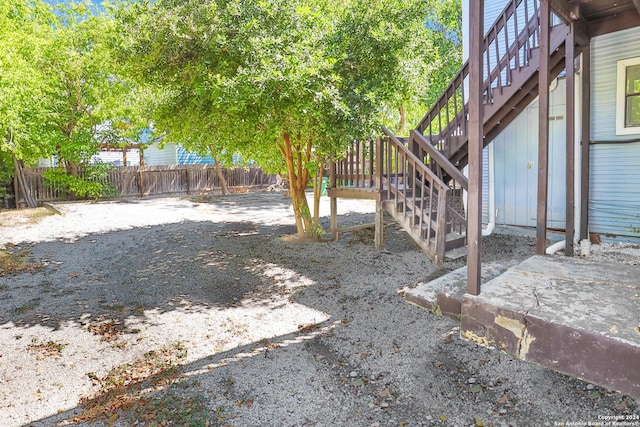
[286,83]
[87,99]
[25,31]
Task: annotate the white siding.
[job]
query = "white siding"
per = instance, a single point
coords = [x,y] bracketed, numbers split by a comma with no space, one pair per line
[492,9]
[614,199]
[154,156]
[516,166]
[606,51]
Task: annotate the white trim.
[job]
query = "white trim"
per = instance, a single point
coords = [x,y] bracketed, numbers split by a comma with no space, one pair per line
[620,97]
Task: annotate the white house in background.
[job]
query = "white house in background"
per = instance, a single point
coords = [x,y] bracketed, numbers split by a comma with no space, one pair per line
[117,157]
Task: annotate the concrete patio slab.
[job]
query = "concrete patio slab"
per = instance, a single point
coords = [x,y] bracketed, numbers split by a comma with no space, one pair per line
[573,315]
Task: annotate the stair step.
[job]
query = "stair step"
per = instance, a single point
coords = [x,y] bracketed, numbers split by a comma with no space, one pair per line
[455,254]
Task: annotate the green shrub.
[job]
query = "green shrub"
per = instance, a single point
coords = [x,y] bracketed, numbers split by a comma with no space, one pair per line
[90,183]
[6,175]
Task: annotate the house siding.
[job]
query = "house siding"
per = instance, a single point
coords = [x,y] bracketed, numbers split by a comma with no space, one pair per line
[614,205]
[154,156]
[606,51]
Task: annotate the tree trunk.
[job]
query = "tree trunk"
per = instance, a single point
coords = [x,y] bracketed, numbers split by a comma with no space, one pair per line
[224,186]
[402,125]
[297,156]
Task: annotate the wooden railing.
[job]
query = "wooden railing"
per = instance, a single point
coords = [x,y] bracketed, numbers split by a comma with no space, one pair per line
[433,208]
[425,204]
[357,168]
[508,47]
[140,181]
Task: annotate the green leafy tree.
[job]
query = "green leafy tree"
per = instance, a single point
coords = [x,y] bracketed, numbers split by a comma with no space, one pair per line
[25,33]
[88,101]
[285,83]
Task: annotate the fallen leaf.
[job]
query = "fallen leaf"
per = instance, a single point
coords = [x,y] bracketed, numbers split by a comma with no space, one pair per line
[476,388]
[443,418]
[481,362]
[437,364]
[358,382]
[364,356]
[384,393]
[595,395]
[503,399]
[620,406]
[404,423]
[479,422]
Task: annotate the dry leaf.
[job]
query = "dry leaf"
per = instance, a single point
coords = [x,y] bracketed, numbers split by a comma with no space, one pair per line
[503,399]
[620,406]
[479,422]
[443,418]
[384,393]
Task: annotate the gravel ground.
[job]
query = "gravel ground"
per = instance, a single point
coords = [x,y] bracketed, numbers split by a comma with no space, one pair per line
[197,312]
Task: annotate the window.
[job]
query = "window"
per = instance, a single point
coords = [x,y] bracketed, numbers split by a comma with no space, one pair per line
[628,97]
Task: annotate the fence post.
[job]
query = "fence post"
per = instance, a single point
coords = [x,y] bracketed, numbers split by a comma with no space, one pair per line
[141,182]
[186,172]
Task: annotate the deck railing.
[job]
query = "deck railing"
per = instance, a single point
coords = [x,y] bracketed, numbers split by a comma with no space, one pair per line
[508,48]
[388,166]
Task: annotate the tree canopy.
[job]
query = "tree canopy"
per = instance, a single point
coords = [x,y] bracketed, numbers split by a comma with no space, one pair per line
[283,83]
[288,83]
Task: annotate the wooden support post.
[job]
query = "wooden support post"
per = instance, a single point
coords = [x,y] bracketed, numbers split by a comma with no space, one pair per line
[585,137]
[333,201]
[187,178]
[543,127]
[476,133]
[379,230]
[141,182]
[570,57]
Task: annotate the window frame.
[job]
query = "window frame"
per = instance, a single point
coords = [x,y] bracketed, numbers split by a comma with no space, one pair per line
[621,97]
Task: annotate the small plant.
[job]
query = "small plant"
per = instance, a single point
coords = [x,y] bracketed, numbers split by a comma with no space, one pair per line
[92,183]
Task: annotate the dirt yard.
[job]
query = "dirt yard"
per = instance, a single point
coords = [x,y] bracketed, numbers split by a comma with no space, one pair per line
[195,312]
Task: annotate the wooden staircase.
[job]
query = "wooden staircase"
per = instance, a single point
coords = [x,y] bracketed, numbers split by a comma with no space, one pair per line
[418,180]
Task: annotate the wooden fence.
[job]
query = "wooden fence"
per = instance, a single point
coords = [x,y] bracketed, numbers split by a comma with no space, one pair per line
[141,181]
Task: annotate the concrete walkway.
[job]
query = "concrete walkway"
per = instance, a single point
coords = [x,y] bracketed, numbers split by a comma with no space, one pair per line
[569,314]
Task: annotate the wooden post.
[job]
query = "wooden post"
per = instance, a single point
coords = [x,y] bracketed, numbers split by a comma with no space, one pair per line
[379,225]
[476,133]
[187,178]
[543,127]
[141,183]
[333,201]
[585,137]
[379,218]
[570,56]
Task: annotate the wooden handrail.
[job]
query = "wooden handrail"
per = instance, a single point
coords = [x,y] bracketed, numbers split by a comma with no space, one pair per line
[424,168]
[440,159]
